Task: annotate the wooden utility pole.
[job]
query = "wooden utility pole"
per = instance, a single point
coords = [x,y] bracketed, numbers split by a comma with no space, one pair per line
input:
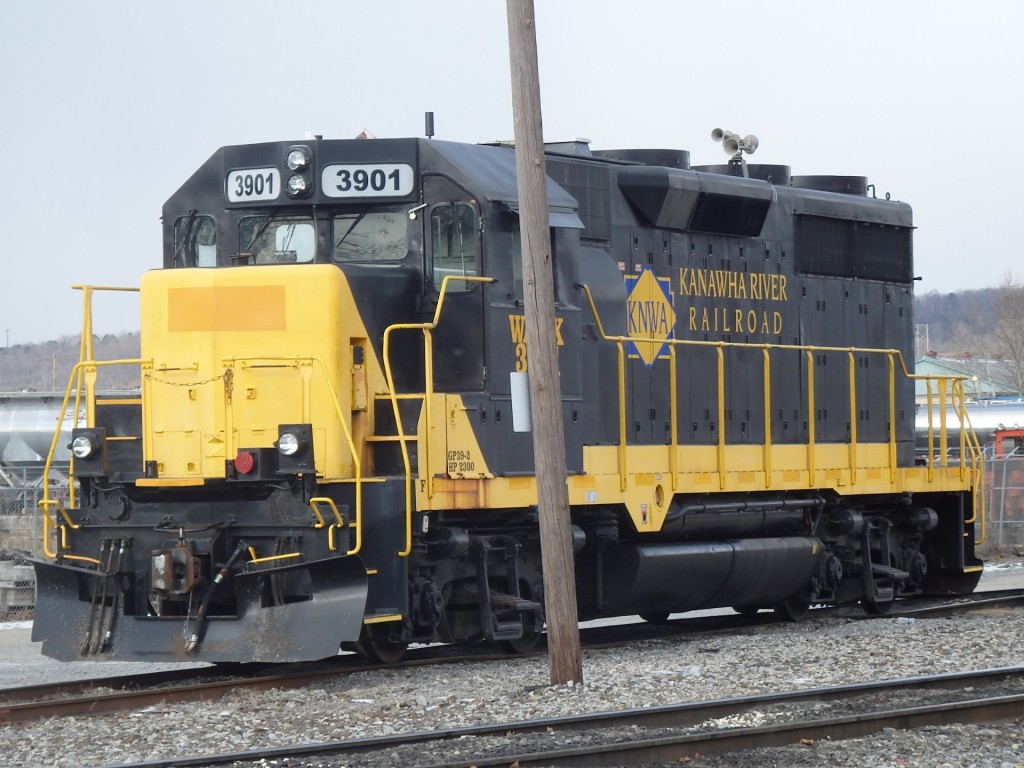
[565,658]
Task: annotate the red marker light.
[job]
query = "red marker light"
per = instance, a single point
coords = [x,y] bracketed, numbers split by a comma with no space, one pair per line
[245,461]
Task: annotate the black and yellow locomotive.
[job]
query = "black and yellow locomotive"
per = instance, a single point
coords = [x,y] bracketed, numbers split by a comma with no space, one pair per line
[326,448]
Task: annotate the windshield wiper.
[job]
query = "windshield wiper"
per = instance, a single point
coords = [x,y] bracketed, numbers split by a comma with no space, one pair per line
[189,226]
[262,228]
[348,231]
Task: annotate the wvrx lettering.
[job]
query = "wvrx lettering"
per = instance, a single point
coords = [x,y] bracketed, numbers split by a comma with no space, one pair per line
[517,327]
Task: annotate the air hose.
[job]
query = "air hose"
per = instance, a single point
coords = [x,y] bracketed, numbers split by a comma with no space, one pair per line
[200,620]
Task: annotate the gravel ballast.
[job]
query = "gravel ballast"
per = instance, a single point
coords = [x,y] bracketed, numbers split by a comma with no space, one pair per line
[697,667]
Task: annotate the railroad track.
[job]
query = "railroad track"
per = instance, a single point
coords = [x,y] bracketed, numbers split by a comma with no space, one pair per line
[113,694]
[664,734]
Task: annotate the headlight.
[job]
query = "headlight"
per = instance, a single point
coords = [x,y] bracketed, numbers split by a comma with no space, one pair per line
[83,446]
[288,444]
[89,450]
[297,186]
[298,159]
[295,449]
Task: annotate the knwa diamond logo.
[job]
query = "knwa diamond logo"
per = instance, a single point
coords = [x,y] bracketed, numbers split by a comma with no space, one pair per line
[650,313]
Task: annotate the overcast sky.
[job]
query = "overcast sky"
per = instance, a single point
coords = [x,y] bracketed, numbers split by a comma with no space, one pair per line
[108,107]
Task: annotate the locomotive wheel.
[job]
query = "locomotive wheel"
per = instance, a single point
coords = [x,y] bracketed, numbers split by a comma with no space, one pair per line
[532,625]
[655,618]
[525,644]
[952,583]
[792,609]
[871,602]
[380,649]
[876,608]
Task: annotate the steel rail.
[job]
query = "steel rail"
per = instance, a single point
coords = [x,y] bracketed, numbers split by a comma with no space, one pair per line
[128,693]
[33,702]
[674,749]
[666,748]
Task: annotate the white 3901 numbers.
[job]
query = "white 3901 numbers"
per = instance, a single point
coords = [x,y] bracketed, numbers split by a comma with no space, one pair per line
[338,180]
[367,180]
[253,184]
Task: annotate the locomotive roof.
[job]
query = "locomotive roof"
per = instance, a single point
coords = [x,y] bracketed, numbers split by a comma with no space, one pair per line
[493,172]
[488,171]
[665,194]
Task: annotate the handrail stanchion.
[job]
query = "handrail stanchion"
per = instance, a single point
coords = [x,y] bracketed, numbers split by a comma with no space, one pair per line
[943,436]
[931,429]
[811,419]
[767,460]
[892,419]
[428,386]
[621,347]
[853,417]
[720,348]
[673,417]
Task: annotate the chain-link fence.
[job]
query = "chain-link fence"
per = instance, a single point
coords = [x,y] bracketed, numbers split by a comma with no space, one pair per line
[20,538]
[1005,486]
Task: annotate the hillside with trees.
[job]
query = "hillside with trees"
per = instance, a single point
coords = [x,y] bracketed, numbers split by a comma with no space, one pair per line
[986,324]
[46,367]
[955,321]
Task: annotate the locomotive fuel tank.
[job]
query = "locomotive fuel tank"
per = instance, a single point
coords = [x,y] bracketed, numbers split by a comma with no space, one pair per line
[687,576]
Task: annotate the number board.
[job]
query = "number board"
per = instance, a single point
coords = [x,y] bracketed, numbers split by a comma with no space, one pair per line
[243,186]
[367,180]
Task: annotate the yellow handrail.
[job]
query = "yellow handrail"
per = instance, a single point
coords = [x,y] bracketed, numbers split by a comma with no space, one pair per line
[812,423]
[970,449]
[254,560]
[357,465]
[767,455]
[85,355]
[673,417]
[720,354]
[852,387]
[621,351]
[892,426]
[428,390]
[85,349]
[46,501]
[313,503]
[50,521]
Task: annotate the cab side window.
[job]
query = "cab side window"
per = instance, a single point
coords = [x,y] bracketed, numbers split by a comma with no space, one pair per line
[517,265]
[195,241]
[455,245]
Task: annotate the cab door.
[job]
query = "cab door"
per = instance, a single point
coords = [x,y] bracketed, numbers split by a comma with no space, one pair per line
[453,251]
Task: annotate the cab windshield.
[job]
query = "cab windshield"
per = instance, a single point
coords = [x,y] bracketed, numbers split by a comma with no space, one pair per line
[370,236]
[277,240]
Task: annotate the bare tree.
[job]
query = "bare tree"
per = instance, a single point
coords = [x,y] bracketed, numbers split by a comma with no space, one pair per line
[1008,333]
